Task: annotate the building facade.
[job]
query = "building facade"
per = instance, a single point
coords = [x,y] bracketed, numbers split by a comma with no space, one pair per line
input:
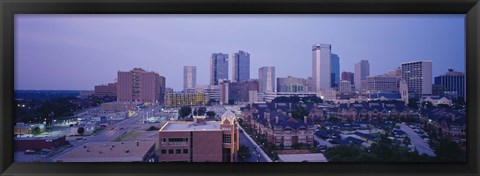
[345,86]
[189,77]
[349,76]
[140,85]
[321,67]
[106,90]
[292,84]
[241,66]
[200,140]
[218,68]
[335,68]
[452,83]
[382,84]
[418,75]
[272,121]
[362,71]
[266,79]
[186,99]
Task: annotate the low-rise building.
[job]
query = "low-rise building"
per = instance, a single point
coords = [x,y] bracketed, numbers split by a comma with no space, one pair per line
[280,128]
[186,99]
[200,140]
[109,89]
[436,100]
[39,143]
[131,151]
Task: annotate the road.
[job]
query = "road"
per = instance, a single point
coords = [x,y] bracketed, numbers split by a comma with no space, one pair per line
[108,135]
[420,144]
[254,153]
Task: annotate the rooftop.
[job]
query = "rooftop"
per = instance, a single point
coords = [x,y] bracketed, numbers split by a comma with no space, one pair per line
[108,152]
[316,157]
[190,126]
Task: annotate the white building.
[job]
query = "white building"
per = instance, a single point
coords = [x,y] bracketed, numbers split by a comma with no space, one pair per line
[362,71]
[189,77]
[266,79]
[345,86]
[403,89]
[418,75]
[321,67]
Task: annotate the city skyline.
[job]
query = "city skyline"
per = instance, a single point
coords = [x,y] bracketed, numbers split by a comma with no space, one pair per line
[74,43]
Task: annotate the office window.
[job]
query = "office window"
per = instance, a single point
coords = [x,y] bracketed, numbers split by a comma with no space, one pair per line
[185,151]
[163,151]
[227,138]
[170,151]
[178,151]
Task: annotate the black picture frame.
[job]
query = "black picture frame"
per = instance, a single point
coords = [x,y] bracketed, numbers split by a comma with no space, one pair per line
[8,8]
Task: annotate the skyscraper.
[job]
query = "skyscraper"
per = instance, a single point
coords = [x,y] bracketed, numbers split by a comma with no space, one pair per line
[453,83]
[218,68]
[362,71]
[418,76]
[241,66]
[189,77]
[266,79]
[335,68]
[321,68]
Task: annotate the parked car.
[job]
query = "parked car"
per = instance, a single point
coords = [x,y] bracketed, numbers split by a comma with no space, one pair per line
[29,152]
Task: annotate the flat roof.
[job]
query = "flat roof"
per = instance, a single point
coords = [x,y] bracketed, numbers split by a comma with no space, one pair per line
[109,152]
[191,126]
[313,157]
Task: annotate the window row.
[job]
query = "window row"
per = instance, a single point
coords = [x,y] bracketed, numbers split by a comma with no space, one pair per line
[174,151]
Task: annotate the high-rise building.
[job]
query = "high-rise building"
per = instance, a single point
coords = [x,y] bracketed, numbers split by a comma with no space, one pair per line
[266,79]
[345,86]
[292,84]
[241,66]
[418,76]
[189,77]
[218,68]
[163,90]
[200,140]
[382,84]
[139,85]
[348,76]
[362,71]
[335,68]
[321,68]
[453,83]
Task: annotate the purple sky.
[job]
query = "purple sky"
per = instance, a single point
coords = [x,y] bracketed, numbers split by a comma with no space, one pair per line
[77,52]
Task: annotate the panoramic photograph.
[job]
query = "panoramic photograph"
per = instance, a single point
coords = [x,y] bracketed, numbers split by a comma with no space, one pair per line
[239,88]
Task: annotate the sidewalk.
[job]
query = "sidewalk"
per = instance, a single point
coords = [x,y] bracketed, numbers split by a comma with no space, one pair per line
[258,147]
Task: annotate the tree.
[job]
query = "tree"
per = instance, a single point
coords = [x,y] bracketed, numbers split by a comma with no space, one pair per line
[211,114]
[448,151]
[412,103]
[243,153]
[184,111]
[36,130]
[81,130]
[299,112]
[201,110]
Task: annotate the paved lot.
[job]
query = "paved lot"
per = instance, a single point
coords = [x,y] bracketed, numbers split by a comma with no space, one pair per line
[420,144]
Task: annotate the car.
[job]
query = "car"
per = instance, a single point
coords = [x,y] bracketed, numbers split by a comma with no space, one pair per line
[29,152]
[112,128]
[241,131]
